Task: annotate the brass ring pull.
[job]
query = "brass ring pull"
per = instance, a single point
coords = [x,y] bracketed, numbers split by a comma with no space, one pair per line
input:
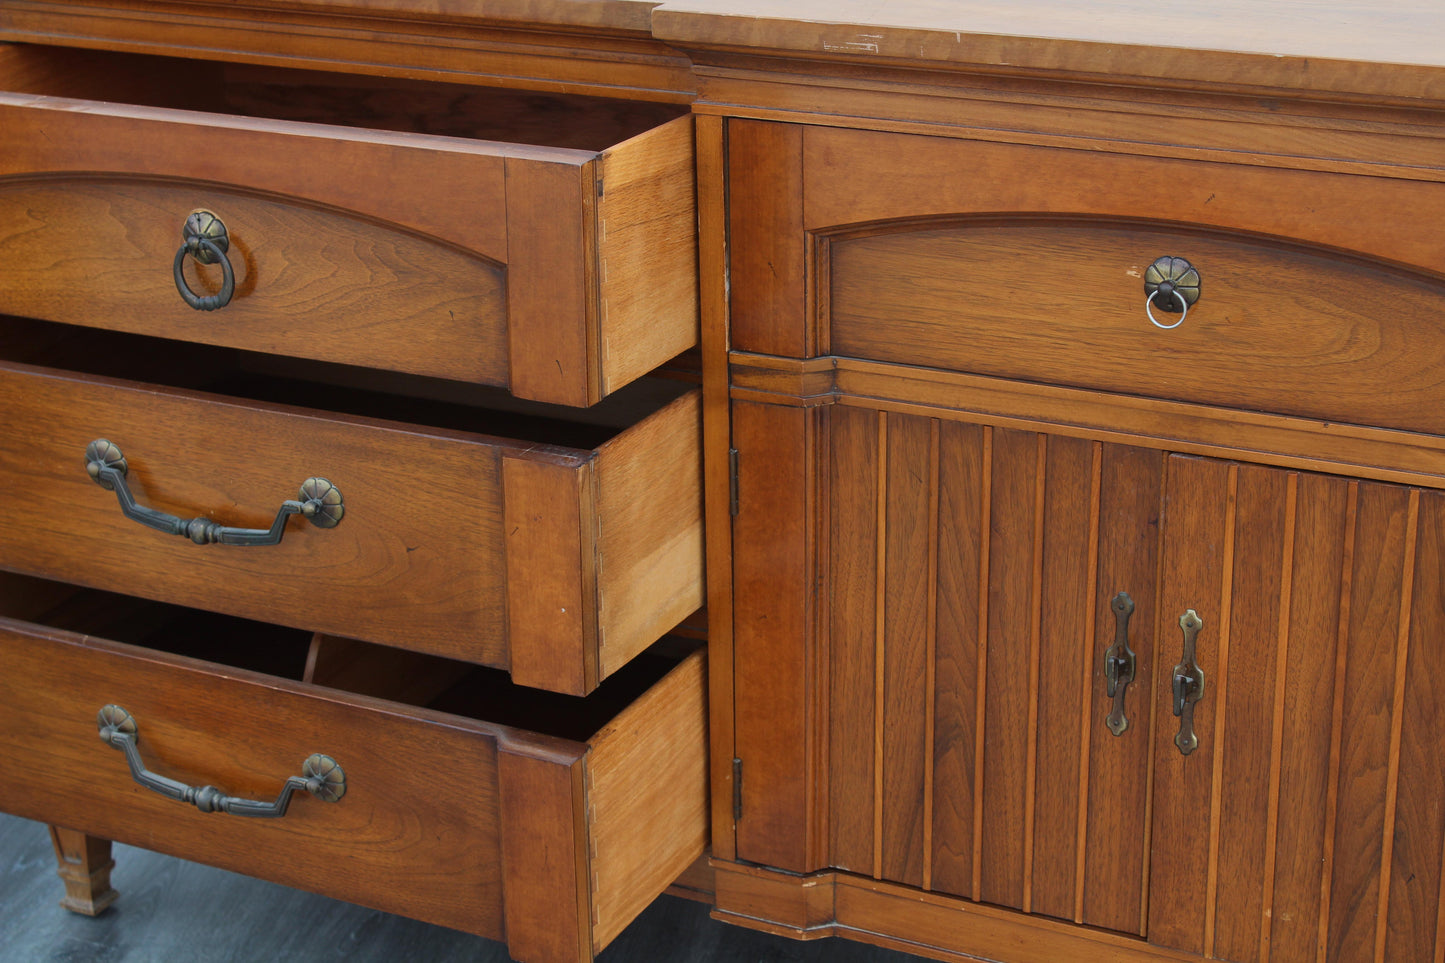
[321,776]
[1149,310]
[1178,281]
[320,502]
[206,240]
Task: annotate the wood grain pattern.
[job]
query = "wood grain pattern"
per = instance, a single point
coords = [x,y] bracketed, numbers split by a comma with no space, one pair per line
[962,563]
[391,571]
[852,608]
[647,252]
[647,797]
[83,864]
[904,647]
[765,220]
[1321,350]
[1374,614]
[1066,614]
[771,561]
[379,286]
[1011,598]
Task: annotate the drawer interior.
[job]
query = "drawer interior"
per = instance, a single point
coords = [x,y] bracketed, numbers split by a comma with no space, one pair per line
[362,668]
[335,388]
[373,103]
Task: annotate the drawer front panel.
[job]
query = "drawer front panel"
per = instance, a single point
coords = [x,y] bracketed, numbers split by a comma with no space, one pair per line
[419,559]
[1275,328]
[323,284]
[484,848]
[597,245]
[400,839]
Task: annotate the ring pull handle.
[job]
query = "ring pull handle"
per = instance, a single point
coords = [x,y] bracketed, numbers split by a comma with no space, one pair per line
[320,502]
[321,776]
[1175,282]
[205,239]
[1119,663]
[1188,684]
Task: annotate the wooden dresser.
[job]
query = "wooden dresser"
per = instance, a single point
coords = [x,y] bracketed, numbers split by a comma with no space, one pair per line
[1058,388]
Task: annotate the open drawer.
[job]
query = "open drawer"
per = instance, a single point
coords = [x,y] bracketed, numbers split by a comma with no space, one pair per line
[555,549]
[450,796]
[541,243]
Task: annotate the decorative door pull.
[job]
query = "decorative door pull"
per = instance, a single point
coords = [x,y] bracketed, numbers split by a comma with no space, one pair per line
[1188,684]
[1119,663]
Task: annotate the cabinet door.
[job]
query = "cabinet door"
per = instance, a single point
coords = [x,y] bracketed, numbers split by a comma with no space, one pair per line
[970,575]
[1307,823]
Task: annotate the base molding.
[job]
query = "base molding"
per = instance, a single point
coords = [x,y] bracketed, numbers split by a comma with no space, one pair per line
[897,917]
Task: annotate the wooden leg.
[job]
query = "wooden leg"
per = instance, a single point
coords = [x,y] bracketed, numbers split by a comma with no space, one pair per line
[84,866]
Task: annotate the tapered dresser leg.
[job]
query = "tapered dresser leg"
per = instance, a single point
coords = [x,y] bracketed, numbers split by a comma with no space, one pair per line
[84,864]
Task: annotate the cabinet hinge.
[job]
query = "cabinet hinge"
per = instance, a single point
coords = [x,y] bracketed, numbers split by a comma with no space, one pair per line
[737,789]
[733,482]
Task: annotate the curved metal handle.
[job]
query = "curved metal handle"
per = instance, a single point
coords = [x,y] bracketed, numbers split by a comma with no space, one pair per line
[205,239]
[1119,663]
[1188,684]
[321,776]
[320,502]
[1176,283]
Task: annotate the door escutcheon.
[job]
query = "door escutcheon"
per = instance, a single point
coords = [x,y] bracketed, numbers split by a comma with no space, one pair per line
[1119,663]
[1188,684]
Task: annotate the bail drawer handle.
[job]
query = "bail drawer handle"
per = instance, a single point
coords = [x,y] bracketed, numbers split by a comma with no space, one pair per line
[1119,663]
[204,238]
[321,776]
[320,503]
[1174,282]
[1188,684]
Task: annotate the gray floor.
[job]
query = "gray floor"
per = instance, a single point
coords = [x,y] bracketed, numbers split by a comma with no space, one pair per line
[172,910]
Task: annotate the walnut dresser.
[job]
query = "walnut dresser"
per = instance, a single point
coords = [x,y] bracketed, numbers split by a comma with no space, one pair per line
[1060,389]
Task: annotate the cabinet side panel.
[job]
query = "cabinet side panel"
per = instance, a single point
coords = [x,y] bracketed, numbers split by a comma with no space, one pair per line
[1116,829]
[909,480]
[1247,770]
[1064,654]
[1374,613]
[962,538]
[853,561]
[1011,594]
[1309,702]
[1416,864]
[1197,544]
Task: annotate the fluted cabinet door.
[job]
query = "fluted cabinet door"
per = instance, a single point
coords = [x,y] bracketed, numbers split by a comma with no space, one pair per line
[1307,822]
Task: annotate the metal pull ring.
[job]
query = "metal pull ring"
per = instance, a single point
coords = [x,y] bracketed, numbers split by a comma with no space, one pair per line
[321,775]
[320,502]
[206,240]
[1188,684]
[1119,663]
[1178,281]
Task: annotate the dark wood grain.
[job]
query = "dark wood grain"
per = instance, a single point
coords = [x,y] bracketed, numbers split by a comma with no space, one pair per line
[853,623]
[963,474]
[1016,464]
[765,178]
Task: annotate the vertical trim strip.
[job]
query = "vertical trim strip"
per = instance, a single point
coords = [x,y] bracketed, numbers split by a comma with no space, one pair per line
[1276,751]
[1086,689]
[1221,710]
[880,582]
[1036,617]
[1332,794]
[1154,684]
[985,527]
[1397,722]
[930,675]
